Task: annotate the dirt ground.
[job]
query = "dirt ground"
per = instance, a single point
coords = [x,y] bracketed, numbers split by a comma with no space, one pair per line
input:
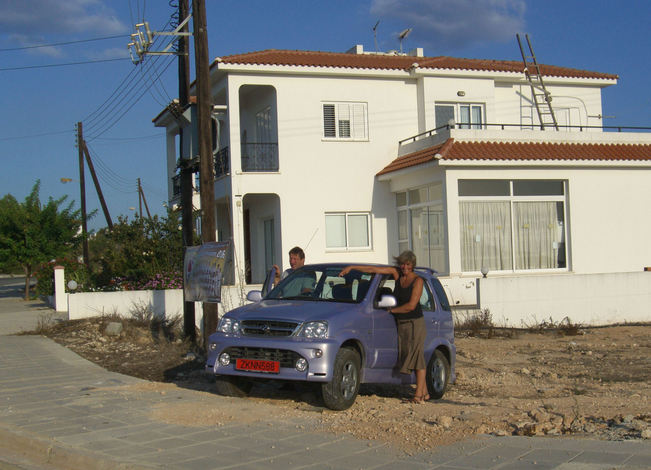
[595,384]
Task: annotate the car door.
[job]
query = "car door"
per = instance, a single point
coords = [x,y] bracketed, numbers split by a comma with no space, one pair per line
[385,333]
[444,315]
[432,316]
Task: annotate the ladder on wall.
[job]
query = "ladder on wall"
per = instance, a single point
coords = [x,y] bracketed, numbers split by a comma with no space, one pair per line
[542,98]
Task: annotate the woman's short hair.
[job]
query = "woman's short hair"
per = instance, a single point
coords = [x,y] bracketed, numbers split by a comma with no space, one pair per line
[405,257]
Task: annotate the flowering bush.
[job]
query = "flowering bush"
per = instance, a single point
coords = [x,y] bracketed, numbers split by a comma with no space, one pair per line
[168,280]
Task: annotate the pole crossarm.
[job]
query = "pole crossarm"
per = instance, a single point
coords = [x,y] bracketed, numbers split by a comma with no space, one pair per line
[143,38]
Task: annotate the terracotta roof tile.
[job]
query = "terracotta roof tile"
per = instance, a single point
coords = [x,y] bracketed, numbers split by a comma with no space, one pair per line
[395,62]
[522,151]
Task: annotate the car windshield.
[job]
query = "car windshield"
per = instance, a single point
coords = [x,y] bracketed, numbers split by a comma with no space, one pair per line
[322,283]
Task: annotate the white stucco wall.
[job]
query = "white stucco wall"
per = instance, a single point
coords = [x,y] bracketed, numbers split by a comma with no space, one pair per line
[317,175]
[588,299]
[608,231]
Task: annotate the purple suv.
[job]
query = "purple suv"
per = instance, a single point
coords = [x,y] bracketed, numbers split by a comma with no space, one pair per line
[316,326]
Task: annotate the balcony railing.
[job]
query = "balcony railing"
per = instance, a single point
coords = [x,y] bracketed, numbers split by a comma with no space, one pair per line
[260,157]
[561,127]
[176,185]
[222,162]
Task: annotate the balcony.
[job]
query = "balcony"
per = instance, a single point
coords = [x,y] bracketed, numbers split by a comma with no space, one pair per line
[260,157]
[519,133]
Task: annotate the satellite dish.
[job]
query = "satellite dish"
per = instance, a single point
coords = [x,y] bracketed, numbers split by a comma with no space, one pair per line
[403,34]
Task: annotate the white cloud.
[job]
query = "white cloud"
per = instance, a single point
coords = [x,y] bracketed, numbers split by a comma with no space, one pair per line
[443,25]
[39,17]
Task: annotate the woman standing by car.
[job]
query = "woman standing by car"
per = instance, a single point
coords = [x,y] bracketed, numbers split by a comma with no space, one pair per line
[409,317]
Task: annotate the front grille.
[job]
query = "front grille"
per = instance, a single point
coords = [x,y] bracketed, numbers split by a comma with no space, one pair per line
[285,357]
[267,328]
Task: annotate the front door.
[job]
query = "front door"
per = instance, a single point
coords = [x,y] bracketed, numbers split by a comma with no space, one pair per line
[269,243]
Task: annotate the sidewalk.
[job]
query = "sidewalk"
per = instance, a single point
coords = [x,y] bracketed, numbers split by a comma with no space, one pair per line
[73,414]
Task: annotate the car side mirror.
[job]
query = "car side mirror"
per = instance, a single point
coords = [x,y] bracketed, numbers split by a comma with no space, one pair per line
[387,301]
[254,296]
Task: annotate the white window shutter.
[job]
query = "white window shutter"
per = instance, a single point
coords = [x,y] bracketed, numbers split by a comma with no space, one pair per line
[343,119]
[359,121]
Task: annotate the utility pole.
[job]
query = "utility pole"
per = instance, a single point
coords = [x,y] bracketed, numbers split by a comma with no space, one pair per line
[98,188]
[183,49]
[141,199]
[207,165]
[82,186]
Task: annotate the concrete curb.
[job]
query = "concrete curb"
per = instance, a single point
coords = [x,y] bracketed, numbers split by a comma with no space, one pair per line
[54,454]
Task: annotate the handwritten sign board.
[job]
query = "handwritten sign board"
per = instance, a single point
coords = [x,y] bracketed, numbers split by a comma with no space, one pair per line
[202,271]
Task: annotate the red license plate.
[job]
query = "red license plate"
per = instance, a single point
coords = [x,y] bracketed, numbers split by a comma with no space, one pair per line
[257,365]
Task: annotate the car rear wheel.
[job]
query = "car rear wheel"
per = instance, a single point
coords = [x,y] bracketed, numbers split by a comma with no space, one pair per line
[233,386]
[340,393]
[438,374]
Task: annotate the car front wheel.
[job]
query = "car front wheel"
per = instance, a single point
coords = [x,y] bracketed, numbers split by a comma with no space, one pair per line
[340,393]
[438,374]
[233,386]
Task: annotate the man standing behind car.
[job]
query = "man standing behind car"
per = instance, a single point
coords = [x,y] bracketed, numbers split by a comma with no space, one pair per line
[296,260]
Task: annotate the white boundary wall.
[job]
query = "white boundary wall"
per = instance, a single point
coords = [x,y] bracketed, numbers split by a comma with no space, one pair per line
[163,303]
[586,299]
[522,301]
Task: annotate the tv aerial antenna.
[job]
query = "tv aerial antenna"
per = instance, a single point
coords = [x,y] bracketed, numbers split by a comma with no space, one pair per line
[375,34]
[403,35]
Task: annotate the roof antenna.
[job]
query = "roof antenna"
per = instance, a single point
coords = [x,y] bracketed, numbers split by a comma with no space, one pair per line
[403,35]
[375,34]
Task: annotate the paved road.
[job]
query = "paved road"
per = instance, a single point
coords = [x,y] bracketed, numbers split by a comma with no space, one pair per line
[58,410]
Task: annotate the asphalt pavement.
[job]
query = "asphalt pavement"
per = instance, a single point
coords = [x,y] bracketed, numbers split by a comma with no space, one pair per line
[58,410]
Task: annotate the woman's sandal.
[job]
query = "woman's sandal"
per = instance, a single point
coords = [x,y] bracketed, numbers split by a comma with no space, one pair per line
[418,399]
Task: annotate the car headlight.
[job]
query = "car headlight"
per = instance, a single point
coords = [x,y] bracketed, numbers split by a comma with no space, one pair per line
[314,329]
[228,325]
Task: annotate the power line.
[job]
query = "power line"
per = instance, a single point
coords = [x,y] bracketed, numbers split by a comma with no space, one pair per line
[26,67]
[109,125]
[62,43]
[127,139]
[123,93]
[3,139]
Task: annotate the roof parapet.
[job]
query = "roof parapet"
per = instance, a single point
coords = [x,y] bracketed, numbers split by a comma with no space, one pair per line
[359,50]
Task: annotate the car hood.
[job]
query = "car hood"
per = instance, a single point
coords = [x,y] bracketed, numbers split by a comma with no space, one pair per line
[291,310]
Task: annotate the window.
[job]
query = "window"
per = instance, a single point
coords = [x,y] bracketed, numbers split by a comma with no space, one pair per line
[263,126]
[512,224]
[421,225]
[348,230]
[466,115]
[345,121]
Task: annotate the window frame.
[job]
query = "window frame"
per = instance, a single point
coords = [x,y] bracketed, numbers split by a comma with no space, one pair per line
[457,105]
[512,200]
[357,119]
[429,196]
[347,234]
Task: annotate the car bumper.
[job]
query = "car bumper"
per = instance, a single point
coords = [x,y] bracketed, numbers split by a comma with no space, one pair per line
[319,354]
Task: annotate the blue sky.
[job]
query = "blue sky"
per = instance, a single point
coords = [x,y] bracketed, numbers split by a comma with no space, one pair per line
[116,100]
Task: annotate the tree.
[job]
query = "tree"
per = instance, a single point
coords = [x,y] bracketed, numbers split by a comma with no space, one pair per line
[32,233]
[137,249]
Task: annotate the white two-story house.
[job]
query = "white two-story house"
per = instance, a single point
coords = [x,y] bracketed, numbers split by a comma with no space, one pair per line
[358,156]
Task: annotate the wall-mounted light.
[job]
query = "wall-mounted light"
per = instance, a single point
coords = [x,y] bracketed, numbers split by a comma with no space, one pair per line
[484,271]
[461,93]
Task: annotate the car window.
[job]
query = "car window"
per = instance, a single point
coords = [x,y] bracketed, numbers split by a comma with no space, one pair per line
[311,284]
[426,302]
[440,293]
